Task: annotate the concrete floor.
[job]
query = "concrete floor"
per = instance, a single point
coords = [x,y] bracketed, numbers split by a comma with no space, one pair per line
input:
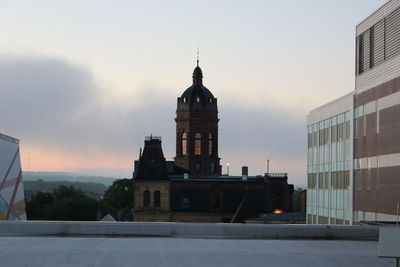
[100,251]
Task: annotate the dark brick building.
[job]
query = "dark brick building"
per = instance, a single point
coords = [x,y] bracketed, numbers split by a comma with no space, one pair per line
[191,188]
[197,129]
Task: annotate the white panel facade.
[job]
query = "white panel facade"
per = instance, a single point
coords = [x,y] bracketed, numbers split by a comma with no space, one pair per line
[329,163]
[386,71]
[375,17]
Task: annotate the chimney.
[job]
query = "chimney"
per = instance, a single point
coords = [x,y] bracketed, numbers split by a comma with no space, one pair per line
[245,172]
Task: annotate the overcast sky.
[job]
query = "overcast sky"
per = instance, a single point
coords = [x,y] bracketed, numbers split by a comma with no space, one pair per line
[82,82]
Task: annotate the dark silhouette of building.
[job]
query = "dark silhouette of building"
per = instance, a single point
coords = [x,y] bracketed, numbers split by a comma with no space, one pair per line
[191,188]
[197,129]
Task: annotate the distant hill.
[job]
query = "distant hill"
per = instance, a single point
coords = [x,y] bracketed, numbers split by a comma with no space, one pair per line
[66,177]
[45,186]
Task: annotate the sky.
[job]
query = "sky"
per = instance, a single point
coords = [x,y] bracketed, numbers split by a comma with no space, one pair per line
[83,82]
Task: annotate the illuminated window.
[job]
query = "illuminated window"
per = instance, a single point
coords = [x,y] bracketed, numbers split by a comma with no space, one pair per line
[198,99]
[210,144]
[157,199]
[184,100]
[210,100]
[197,144]
[184,144]
[146,198]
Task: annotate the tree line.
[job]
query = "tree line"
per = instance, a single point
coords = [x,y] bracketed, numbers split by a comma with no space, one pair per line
[66,203]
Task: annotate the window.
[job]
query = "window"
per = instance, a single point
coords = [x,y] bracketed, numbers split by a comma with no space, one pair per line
[210,100]
[340,132]
[157,199]
[334,134]
[210,144]
[197,99]
[347,131]
[360,54]
[184,144]
[357,178]
[146,198]
[371,47]
[197,144]
[184,100]
[369,179]
[321,181]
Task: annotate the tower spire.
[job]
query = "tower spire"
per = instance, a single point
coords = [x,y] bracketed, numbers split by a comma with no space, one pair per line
[198,55]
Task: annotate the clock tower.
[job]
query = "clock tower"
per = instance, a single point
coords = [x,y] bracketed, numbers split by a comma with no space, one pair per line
[197,129]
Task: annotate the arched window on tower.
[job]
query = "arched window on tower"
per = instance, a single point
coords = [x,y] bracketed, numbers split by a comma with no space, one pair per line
[210,144]
[197,144]
[184,144]
[157,199]
[146,198]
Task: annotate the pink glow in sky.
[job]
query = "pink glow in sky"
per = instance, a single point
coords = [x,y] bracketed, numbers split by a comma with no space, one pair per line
[82,82]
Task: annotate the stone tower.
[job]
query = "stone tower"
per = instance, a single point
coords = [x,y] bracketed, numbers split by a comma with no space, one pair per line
[197,129]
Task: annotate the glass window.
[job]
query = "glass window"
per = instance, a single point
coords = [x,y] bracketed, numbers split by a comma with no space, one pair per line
[198,99]
[347,116]
[184,144]
[210,144]
[197,144]
[184,100]
[334,134]
[334,120]
[347,131]
[340,132]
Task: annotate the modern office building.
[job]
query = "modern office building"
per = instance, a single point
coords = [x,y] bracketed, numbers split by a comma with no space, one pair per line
[377,115]
[371,167]
[329,195]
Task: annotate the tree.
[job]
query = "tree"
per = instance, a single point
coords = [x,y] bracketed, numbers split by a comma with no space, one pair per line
[118,199]
[72,204]
[297,199]
[65,203]
[37,208]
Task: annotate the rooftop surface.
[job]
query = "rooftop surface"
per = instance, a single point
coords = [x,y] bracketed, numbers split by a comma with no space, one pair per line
[135,251]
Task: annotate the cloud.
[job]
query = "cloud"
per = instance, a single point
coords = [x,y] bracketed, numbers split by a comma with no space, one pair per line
[55,105]
[42,96]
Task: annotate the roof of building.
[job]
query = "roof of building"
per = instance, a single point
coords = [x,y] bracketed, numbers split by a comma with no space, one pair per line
[197,96]
[152,164]
[9,138]
[108,218]
[226,178]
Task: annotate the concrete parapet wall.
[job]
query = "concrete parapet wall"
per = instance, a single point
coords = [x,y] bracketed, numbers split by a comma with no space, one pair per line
[196,230]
